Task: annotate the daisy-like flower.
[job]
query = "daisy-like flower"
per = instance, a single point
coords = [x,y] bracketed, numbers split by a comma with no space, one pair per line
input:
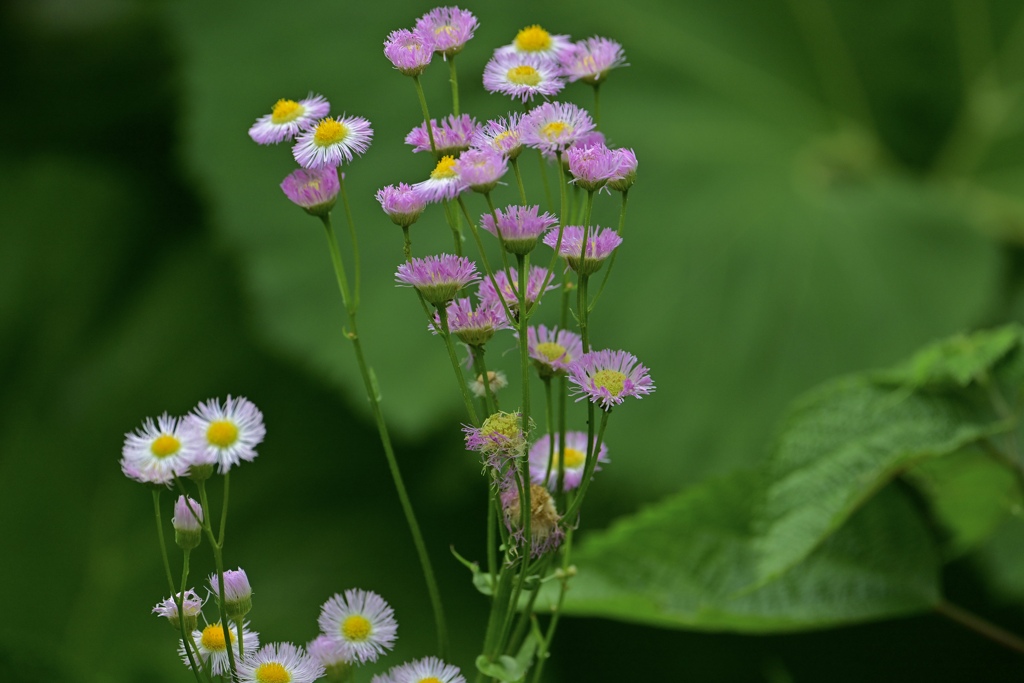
[214,649]
[426,670]
[315,190]
[552,349]
[573,461]
[361,623]
[498,439]
[331,656]
[545,533]
[187,523]
[279,663]
[288,118]
[481,169]
[451,137]
[438,278]
[538,281]
[496,380]
[590,60]
[519,226]
[474,328]
[237,593]
[402,204]
[191,606]
[554,126]
[444,182]
[501,135]
[594,137]
[333,141]
[448,28]
[229,433]
[410,52]
[592,166]
[159,451]
[625,173]
[522,76]
[607,377]
[534,40]
[601,242]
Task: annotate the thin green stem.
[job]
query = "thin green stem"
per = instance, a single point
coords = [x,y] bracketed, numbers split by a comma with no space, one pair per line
[453,78]
[489,273]
[187,641]
[497,231]
[980,626]
[611,261]
[545,647]
[407,244]
[160,537]
[480,368]
[544,178]
[352,234]
[549,406]
[561,222]
[593,448]
[218,563]
[426,114]
[467,397]
[597,104]
[453,223]
[519,179]
[224,509]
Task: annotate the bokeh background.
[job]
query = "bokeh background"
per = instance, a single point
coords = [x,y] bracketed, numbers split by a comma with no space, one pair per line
[824,187]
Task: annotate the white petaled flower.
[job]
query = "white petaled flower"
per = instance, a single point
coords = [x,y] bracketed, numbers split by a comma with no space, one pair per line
[288,118]
[332,142]
[212,647]
[159,451]
[229,433]
[361,622]
[426,670]
[279,663]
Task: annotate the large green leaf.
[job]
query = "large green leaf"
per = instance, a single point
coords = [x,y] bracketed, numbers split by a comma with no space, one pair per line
[682,563]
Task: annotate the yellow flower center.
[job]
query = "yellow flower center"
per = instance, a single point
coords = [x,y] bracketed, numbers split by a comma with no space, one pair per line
[445,168]
[272,672]
[612,380]
[505,424]
[356,628]
[555,129]
[222,433]
[446,29]
[502,136]
[213,638]
[573,458]
[165,445]
[430,679]
[533,39]
[524,74]
[286,110]
[553,352]
[329,132]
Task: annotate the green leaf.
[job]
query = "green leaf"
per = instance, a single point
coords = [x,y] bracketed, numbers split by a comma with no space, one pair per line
[683,563]
[505,669]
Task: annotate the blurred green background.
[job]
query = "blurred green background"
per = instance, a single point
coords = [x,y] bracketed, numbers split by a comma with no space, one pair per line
[824,187]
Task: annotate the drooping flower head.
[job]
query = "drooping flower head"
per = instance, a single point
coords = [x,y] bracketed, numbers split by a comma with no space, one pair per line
[608,377]
[191,606]
[159,451]
[426,670]
[592,166]
[402,204]
[409,51]
[590,60]
[331,656]
[554,126]
[625,173]
[333,141]
[522,76]
[213,648]
[361,623]
[187,523]
[279,663]
[438,278]
[538,281]
[501,135]
[496,381]
[500,438]
[534,40]
[601,242]
[552,349]
[473,327]
[448,28]
[451,137]
[520,227]
[315,190]
[237,600]
[229,433]
[288,118]
[481,169]
[575,457]
[444,182]
[545,533]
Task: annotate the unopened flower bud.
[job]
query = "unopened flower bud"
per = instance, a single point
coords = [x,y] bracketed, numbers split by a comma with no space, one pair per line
[187,523]
[191,606]
[237,599]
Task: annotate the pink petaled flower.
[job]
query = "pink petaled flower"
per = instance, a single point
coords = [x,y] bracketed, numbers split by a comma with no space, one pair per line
[625,173]
[448,28]
[538,281]
[288,118]
[426,670]
[499,439]
[522,76]
[519,226]
[315,190]
[552,349]
[159,451]
[607,377]
[544,460]
[590,60]
[501,135]
[361,623]
[329,653]
[594,137]
[452,136]
[444,182]
[592,166]
[402,204]
[601,242]
[481,169]
[554,126]
[534,40]
[438,278]
[545,533]
[333,141]
[191,606]
[409,52]
[472,327]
